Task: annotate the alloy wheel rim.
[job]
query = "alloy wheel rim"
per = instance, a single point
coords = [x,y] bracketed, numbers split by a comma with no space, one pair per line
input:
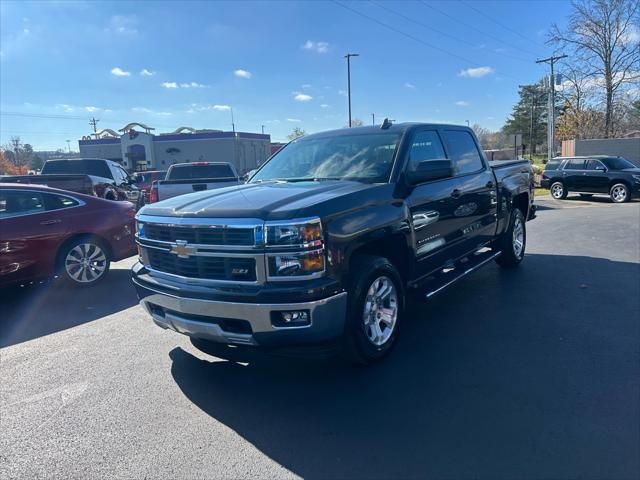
[85,263]
[380,312]
[557,191]
[619,194]
[518,237]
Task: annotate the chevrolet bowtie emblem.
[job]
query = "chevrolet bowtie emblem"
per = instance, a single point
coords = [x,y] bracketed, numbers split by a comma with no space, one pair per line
[182,249]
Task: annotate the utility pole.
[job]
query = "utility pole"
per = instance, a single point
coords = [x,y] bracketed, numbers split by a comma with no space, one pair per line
[94,123]
[233,125]
[551,127]
[373,119]
[532,90]
[348,57]
[262,129]
[69,145]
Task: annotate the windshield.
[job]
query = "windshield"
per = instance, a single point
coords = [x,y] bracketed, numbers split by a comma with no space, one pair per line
[617,163]
[187,172]
[366,158]
[96,168]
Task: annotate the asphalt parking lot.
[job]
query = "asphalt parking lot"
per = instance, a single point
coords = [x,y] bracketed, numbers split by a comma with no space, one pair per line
[533,373]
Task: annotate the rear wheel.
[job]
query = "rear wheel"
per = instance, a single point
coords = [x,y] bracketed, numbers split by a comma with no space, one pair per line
[619,193]
[513,242]
[84,262]
[376,300]
[558,191]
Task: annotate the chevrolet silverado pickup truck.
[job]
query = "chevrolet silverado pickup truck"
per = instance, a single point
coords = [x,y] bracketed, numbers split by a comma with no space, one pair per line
[327,240]
[193,177]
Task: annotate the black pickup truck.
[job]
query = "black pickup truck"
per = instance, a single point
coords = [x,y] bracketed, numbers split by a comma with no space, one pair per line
[323,245]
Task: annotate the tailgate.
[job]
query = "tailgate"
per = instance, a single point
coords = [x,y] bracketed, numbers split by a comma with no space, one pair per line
[173,188]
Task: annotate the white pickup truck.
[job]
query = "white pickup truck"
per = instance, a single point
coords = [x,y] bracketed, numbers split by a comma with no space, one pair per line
[185,178]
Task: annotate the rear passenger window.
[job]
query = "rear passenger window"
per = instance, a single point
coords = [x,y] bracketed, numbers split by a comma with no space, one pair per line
[57,202]
[425,146]
[575,164]
[594,165]
[463,152]
[15,203]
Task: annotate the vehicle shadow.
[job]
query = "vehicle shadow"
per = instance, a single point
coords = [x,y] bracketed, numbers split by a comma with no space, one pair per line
[503,376]
[37,310]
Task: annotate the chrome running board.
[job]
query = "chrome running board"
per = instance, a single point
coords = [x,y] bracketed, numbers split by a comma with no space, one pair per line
[455,275]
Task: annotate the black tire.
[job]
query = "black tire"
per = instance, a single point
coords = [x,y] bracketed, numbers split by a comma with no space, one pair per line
[558,191]
[368,272]
[70,268]
[586,195]
[619,193]
[510,254]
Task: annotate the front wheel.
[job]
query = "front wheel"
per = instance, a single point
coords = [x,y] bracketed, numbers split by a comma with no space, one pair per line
[84,262]
[619,193]
[513,242]
[558,191]
[376,301]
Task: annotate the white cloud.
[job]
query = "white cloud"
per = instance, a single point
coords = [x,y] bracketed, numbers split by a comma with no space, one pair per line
[65,107]
[462,103]
[123,25]
[141,110]
[91,109]
[490,118]
[306,86]
[632,35]
[118,72]
[324,105]
[319,47]
[409,85]
[164,114]
[242,73]
[302,97]
[169,84]
[294,120]
[26,31]
[147,73]
[342,92]
[222,108]
[192,85]
[475,72]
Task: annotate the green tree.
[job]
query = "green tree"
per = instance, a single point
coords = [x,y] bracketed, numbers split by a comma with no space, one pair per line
[36,162]
[531,110]
[295,133]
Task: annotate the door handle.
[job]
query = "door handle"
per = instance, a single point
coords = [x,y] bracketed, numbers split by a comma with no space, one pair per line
[456,193]
[50,222]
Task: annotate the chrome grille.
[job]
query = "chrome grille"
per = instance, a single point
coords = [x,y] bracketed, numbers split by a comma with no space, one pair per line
[205,267]
[218,235]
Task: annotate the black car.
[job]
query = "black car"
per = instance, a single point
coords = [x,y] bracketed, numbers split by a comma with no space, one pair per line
[614,176]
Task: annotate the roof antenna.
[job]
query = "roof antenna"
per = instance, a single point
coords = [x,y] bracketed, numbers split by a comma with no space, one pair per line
[386,124]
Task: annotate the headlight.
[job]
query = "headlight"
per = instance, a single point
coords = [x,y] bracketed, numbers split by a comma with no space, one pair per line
[296,264]
[304,234]
[140,228]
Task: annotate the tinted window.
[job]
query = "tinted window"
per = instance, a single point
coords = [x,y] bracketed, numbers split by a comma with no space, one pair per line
[360,157]
[425,146]
[15,203]
[463,152]
[57,202]
[186,172]
[618,163]
[552,166]
[97,168]
[575,164]
[594,164]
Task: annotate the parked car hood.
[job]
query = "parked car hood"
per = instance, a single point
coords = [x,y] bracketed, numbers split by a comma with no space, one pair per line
[269,200]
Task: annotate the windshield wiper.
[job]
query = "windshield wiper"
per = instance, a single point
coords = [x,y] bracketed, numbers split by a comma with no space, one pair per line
[309,179]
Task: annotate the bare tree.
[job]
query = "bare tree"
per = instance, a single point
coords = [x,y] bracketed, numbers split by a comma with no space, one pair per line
[601,38]
[295,133]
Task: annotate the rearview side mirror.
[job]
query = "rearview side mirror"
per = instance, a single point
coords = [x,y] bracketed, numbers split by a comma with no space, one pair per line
[427,170]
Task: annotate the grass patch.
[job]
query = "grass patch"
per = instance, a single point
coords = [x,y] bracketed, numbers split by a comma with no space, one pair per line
[541,191]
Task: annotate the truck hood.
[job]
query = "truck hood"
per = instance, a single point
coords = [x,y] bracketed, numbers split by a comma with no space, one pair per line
[267,201]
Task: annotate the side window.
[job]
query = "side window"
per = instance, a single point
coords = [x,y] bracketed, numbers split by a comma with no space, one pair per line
[15,203]
[574,164]
[426,146]
[463,152]
[57,202]
[594,165]
[117,175]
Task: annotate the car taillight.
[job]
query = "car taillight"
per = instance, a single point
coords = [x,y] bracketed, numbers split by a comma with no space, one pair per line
[153,194]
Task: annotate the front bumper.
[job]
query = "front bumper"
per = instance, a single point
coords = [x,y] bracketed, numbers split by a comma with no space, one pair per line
[240,323]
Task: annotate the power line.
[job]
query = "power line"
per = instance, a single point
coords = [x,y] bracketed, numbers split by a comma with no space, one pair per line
[414,38]
[40,115]
[472,27]
[448,35]
[500,24]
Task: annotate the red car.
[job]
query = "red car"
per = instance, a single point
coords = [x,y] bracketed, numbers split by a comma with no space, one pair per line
[45,232]
[145,179]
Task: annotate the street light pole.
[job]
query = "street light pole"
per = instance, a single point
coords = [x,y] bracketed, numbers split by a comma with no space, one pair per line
[348,57]
[373,119]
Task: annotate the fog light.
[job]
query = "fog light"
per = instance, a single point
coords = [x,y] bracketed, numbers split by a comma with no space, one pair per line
[294,318]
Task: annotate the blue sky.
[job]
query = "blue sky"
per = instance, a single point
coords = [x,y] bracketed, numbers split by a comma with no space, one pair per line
[278,64]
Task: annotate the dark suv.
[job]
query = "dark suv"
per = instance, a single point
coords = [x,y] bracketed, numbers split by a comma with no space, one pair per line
[614,176]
